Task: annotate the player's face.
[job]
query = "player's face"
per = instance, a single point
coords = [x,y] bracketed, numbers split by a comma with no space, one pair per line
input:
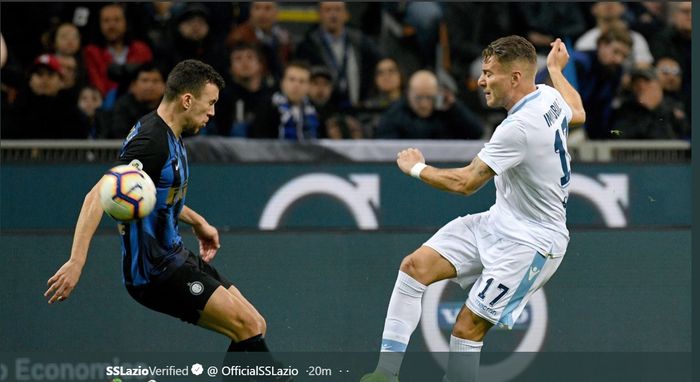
[495,80]
[202,108]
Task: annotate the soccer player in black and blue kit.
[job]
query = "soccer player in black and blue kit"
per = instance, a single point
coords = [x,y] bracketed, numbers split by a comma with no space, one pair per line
[159,272]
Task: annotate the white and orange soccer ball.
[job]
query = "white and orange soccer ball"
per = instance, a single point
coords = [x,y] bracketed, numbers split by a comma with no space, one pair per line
[127,193]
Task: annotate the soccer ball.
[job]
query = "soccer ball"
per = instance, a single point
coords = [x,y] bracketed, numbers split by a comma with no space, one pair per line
[127,193]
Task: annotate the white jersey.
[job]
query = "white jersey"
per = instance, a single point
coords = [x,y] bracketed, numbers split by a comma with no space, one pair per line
[529,155]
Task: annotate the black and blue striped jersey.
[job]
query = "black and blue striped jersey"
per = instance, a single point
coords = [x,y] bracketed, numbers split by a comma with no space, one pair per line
[152,247]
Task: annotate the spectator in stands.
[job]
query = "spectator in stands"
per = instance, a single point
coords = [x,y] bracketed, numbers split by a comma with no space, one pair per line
[64,40]
[598,77]
[671,77]
[349,54]
[145,92]
[542,22]
[388,88]
[261,29]
[289,114]
[113,52]
[246,88]
[427,113]
[42,111]
[472,26]
[648,17]
[648,114]
[160,20]
[414,27]
[674,42]
[607,14]
[334,123]
[71,82]
[388,85]
[64,43]
[89,100]
[192,38]
[90,104]
[24,25]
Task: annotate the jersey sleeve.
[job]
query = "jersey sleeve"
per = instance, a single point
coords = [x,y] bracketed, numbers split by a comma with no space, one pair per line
[147,149]
[506,148]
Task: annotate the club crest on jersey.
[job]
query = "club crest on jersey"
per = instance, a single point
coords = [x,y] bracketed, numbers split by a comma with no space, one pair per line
[136,163]
[196,288]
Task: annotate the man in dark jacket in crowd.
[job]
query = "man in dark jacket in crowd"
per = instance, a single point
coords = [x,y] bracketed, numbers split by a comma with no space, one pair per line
[426,113]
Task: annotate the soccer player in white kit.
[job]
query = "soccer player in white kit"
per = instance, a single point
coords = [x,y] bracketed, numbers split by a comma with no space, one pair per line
[512,249]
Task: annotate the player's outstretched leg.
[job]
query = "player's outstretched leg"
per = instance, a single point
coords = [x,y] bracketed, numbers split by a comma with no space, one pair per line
[465,347]
[421,268]
[229,313]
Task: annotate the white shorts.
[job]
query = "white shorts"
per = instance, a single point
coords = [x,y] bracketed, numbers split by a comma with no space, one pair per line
[506,273]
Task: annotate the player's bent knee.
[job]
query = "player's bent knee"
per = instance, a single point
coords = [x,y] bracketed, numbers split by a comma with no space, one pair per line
[417,269]
[247,324]
[470,326]
[230,316]
[409,266]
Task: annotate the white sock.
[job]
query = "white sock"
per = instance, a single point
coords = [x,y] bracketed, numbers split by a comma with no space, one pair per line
[402,319]
[463,363]
[464,345]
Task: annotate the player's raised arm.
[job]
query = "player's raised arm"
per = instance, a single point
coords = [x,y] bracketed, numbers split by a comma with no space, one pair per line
[62,283]
[466,180]
[556,61]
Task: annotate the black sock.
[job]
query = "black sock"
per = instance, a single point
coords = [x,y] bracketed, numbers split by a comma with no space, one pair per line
[252,344]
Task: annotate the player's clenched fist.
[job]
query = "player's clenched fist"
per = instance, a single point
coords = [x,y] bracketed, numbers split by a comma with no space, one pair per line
[558,56]
[406,159]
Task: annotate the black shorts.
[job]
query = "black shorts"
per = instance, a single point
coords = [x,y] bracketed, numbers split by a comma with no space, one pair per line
[184,293]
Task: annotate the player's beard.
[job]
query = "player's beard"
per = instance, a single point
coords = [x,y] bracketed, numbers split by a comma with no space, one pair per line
[190,130]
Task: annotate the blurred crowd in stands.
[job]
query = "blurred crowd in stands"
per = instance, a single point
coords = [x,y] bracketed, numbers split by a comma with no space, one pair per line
[297,71]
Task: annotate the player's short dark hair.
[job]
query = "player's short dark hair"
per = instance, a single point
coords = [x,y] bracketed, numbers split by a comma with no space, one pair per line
[615,32]
[510,49]
[190,76]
